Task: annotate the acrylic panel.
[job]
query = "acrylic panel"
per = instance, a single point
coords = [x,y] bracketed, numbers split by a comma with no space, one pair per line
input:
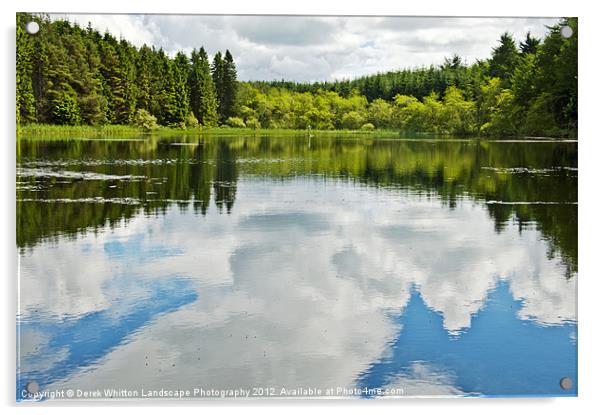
[236,207]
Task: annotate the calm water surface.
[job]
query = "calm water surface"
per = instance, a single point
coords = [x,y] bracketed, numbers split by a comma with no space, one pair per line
[409,267]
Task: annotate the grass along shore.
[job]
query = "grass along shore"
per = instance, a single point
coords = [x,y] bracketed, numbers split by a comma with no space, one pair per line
[122,132]
[89,132]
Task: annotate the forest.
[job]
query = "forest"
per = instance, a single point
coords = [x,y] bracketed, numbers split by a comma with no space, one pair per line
[72,75]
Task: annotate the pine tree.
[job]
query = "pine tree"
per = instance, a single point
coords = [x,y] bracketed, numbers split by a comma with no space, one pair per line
[504,59]
[203,100]
[93,105]
[529,46]
[173,99]
[217,73]
[181,67]
[144,96]
[25,99]
[230,86]
[119,75]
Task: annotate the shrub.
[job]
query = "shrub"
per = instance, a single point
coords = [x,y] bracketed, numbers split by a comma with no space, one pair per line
[273,124]
[65,110]
[191,121]
[367,127]
[143,119]
[235,122]
[352,120]
[253,123]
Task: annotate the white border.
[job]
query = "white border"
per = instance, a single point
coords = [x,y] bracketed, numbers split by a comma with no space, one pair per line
[590,156]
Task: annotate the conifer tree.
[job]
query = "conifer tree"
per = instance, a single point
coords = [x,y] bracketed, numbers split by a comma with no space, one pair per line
[529,46]
[217,73]
[203,100]
[230,86]
[504,59]
[25,99]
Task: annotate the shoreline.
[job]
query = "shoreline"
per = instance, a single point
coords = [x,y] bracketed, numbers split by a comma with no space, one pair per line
[114,131]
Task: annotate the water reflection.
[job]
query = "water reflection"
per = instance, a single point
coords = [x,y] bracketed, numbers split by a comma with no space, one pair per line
[484,358]
[516,178]
[345,264]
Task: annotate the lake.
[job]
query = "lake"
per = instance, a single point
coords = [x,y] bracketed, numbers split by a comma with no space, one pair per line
[296,266]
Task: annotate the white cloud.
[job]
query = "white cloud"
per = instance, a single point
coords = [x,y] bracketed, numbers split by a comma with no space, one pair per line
[306,48]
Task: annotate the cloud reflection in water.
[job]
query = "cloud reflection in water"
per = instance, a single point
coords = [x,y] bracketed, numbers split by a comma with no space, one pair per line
[308,283]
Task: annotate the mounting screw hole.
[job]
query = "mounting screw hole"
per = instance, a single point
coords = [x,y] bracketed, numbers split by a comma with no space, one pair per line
[566,31]
[566,383]
[32,28]
[32,387]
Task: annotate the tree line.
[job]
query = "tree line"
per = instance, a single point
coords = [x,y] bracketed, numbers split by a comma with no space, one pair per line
[69,75]
[525,88]
[74,75]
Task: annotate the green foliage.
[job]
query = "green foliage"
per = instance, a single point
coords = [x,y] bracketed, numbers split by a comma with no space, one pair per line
[235,122]
[529,46]
[25,100]
[203,100]
[191,121]
[504,59]
[367,127]
[253,123]
[228,96]
[458,116]
[380,113]
[223,71]
[143,119]
[409,113]
[353,120]
[73,75]
[540,118]
[522,80]
[109,79]
[65,110]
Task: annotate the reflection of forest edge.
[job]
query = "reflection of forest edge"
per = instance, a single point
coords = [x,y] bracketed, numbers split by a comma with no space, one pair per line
[210,167]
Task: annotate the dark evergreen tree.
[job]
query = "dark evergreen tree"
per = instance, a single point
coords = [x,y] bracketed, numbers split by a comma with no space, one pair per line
[203,101]
[504,59]
[529,46]
[217,73]
[144,64]
[24,71]
[172,100]
[230,86]
[455,62]
[181,67]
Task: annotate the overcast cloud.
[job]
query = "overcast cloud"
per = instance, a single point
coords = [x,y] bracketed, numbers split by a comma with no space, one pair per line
[312,48]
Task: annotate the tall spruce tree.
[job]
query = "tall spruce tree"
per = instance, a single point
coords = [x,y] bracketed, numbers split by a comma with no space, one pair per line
[25,98]
[144,62]
[504,59]
[181,66]
[217,73]
[230,86]
[529,46]
[203,101]
[173,100]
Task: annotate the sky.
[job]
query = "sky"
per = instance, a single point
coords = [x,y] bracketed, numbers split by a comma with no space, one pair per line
[318,48]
